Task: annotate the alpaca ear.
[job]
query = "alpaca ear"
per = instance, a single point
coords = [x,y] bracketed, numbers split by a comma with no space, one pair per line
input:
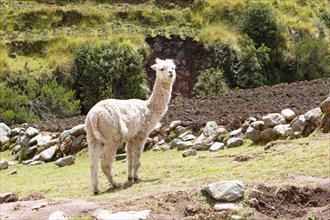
[154,67]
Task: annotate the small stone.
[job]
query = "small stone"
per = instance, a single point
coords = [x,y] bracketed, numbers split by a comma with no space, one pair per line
[187,153]
[225,206]
[3,164]
[226,191]
[65,161]
[236,133]
[175,124]
[273,119]
[313,115]
[39,206]
[38,162]
[166,147]
[8,197]
[189,137]
[217,146]
[131,215]
[180,129]
[13,172]
[58,215]
[183,145]
[234,142]
[48,154]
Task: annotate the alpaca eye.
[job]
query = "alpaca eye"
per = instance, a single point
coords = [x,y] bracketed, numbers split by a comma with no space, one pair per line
[162,69]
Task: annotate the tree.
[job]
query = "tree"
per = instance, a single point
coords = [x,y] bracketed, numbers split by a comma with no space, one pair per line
[211,81]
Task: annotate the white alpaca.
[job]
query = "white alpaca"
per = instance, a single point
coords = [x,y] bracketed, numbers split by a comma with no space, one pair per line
[112,122]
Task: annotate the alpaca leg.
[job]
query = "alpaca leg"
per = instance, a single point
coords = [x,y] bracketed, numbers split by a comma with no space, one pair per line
[106,164]
[94,152]
[129,150]
[137,151]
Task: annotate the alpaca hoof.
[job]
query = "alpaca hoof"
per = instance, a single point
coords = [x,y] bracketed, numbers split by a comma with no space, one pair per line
[130,179]
[96,193]
[137,179]
[117,185]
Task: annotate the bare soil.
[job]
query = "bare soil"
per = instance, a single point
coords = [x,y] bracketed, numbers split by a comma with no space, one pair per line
[230,109]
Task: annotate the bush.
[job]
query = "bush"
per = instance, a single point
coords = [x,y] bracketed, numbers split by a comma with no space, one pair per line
[224,57]
[44,100]
[108,71]
[56,102]
[211,81]
[4,67]
[311,59]
[252,71]
[15,107]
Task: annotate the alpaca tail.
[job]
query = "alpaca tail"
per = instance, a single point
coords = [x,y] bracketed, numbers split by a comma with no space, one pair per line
[93,121]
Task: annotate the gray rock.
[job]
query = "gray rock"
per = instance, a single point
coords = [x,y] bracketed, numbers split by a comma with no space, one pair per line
[17,148]
[78,130]
[174,143]
[283,131]
[175,124]
[227,191]
[247,123]
[39,206]
[273,119]
[325,106]
[268,134]
[166,147]
[3,164]
[234,142]
[4,143]
[217,146]
[189,137]
[180,129]
[226,206]
[58,215]
[48,154]
[209,133]
[130,215]
[288,114]
[8,197]
[298,125]
[31,132]
[313,115]
[191,152]
[4,131]
[183,145]
[254,130]
[236,133]
[15,131]
[38,162]
[41,140]
[181,136]
[24,140]
[203,145]
[65,161]
[77,144]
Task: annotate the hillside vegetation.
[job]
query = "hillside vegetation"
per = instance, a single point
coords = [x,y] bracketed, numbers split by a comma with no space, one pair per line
[54,47]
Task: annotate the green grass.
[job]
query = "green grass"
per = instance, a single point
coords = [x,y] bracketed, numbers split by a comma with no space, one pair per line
[167,171]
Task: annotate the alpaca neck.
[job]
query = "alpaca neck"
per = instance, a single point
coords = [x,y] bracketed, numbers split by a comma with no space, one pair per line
[159,99]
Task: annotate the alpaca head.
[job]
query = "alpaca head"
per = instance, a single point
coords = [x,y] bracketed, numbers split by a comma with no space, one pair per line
[165,70]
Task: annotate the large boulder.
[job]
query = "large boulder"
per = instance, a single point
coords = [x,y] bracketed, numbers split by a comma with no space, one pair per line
[226,191]
[209,133]
[234,142]
[254,130]
[325,106]
[283,131]
[3,164]
[273,119]
[313,115]
[48,154]
[288,114]
[75,131]
[298,125]
[65,161]
[31,132]
[4,131]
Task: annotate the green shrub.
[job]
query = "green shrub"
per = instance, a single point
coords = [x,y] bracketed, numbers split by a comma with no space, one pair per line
[211,81]
[57,102]
[311,59]
[252,70]
[223,56]
[108,71]
[4,67]
[14,107]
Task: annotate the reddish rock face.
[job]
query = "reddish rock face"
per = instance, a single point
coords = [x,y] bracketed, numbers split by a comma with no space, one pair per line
[188,55]
[325,106]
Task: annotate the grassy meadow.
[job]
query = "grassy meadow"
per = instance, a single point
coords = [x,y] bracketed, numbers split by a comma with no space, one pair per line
[164,171]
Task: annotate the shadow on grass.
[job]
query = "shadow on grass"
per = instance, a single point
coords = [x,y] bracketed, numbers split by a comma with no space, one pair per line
[127,185]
